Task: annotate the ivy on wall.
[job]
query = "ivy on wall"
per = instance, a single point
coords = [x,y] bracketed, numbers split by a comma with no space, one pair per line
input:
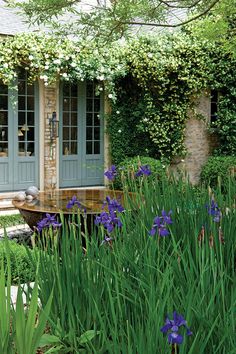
[151,82]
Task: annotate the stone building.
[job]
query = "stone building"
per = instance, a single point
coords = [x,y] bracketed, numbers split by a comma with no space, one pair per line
[55,136]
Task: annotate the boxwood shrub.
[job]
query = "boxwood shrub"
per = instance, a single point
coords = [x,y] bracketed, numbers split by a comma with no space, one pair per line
[218,168]
[130,165]
[22,269]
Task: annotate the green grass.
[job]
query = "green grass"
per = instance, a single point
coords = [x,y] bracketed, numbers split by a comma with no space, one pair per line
[11,220]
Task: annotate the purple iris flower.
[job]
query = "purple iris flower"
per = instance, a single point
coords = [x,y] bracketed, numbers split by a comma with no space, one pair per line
[160,224]
[172,327]
[113,205]
[214,211]
[109,220]
[49,220]
[111,173]
[106,240]
[74,201]
[143,171]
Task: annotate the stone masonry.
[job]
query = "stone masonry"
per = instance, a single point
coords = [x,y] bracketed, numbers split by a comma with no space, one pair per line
[50,146]
[198,141]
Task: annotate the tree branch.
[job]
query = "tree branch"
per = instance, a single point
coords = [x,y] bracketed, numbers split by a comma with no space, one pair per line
[137,23]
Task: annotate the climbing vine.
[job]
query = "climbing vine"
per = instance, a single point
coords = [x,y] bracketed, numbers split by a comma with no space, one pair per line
[151,82]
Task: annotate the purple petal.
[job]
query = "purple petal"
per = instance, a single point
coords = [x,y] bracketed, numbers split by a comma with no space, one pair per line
[175,338]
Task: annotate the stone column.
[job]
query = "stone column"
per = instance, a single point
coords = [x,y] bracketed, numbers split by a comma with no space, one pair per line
[50,146]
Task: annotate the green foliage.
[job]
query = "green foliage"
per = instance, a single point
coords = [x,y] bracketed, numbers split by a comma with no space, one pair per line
[128,167]
[151,81]
[22,269]
[10,220]
[21,327]
[123,290]
[218,167]
[107,21]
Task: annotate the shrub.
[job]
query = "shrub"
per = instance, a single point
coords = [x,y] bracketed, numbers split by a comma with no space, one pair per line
[130,166]
[11,220]
[218,167]
[22,269]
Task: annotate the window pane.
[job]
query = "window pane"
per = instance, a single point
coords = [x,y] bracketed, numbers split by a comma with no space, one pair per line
[73,133]
[30,90]
[3,149]
[74,90]
[30,148]
[89,119]
[66,148]
[89,147]
[96,147]
[3,88]
[30,103]
[21,119]
[3,118]
[74,104]
[21,88]
[73,148]
[66,118]
[4,134]
[21,103]
[89,133]
[30,118]
[66,89]
[89,107]
[66,104]
[30,134]
[89,89]
[66,133]
[96,120]
[21,149]
[3,102]
[74,119]
[96,133]
[97,105]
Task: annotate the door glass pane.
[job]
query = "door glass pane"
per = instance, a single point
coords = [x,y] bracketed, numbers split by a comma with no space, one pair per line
[21,88]
[3,89]
[21,119]
[93,122]
[66,133]
[89,147]
[73,134]
[97,133]
[70,120]
[66,118]
[30,118]
[74,148]
[30,103]
[74,104]
[4,118]
[96,147]
[26,117]
[30,148]
[3,102]
[21,103]
[89,133]
[30,134]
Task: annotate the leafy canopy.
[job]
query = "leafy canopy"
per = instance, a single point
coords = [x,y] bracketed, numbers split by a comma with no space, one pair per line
[112,19]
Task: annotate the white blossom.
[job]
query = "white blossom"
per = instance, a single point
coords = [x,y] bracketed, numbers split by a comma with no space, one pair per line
[31,57]
[110,95]
[57,61]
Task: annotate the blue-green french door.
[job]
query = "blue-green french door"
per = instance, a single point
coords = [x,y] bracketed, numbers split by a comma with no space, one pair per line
[18,136]
[81,135]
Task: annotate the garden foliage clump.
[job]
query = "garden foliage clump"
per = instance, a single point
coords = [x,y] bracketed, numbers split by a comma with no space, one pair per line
[156,274]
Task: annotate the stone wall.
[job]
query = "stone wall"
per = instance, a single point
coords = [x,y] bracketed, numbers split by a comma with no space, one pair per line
[198,141]
[50,146]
